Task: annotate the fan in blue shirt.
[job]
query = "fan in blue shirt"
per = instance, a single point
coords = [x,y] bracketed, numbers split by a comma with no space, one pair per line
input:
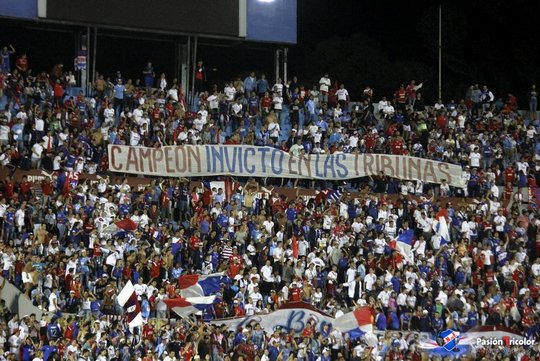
[291,213]
[48,351]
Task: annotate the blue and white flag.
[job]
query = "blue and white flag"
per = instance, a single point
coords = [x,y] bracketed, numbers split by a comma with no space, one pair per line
[404,244]
[442,230]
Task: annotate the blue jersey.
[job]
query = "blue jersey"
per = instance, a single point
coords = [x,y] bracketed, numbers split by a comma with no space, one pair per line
[381,322]
[27,352]
[53,331]
[472,319]
[48,351]
[9,217]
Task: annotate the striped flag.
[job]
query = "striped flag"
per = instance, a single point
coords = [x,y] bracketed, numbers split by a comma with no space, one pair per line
[200,285]
[128,300]
[120,228]
[190,305]
[333,195]
[356,323]
[443,231]
[404,244]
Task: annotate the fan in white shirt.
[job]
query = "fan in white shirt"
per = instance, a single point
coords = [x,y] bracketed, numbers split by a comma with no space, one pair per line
[140,289]
[474,158]
[499,220]
[342,94]
[370,279]
[108,114]
[278,87]
[324,83]
[40,124]
[213,102]
[277,100]
[230,92]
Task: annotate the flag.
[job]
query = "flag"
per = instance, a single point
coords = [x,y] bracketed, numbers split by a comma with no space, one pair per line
[442,230]
[200,285]
[190,305]
[433,349]
[333,195]
[128,300]
[404,244]
[356,323]
[294,245]
[206,184]
[176,245]
[121,227]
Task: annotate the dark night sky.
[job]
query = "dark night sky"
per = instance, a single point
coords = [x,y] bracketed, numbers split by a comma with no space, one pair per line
[493,38]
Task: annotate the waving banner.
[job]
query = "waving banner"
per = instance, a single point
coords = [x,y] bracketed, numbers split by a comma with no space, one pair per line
[291,316]
[296,315]
[252,161]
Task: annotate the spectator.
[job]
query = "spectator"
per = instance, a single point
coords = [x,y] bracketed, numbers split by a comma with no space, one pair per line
[334,253]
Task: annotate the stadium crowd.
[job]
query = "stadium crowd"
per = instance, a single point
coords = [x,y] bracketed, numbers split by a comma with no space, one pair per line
[334,252]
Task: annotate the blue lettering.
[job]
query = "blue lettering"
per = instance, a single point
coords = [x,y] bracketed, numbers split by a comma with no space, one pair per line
[251,169]
[342,170]
[240,163]
[276,170]
[263,152]
[321,325]
[295,321]
[217,155]
[208,162]
[231,169]
[329,167]
[317,174]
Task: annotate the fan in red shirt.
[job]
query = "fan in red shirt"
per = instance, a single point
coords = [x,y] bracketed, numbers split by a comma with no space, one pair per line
[238,309]
[169,108]
[195,241]
[97,251]
[278,205]
[9,187]
[155,268]
[392,129]
[508,192]
[490,277]
[441,121]
[396,144]
[207,197]
[148,331]
[246,350]
[295,292]
[401,96]
[395,354]
[529,316]
[170,288]
[25,186]
[510,175]
[187,352]
[235,263]
[165,200]
[370,140]
[309,330]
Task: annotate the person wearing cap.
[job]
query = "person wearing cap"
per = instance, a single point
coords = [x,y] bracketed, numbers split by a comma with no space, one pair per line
[72,303]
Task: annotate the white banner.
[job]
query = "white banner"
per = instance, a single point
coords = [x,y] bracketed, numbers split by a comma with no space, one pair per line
[252,161]
[295,318]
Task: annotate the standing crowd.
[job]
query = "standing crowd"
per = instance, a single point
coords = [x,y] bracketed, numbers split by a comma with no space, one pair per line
[334,251]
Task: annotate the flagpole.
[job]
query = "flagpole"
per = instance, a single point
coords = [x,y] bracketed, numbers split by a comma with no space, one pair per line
[440,51]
